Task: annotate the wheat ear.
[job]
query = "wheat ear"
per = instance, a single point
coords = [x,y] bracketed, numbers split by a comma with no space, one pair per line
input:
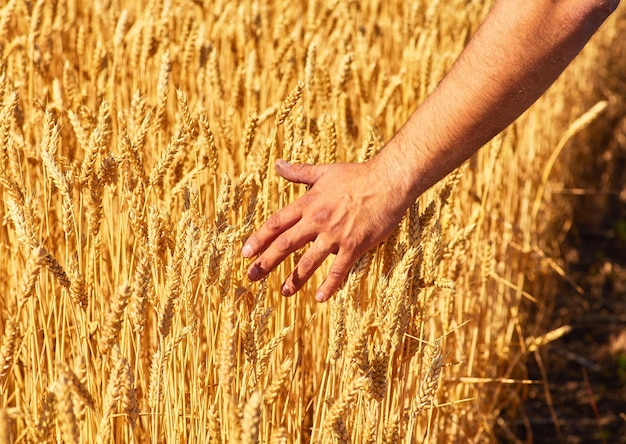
[111,397]
[114,318]
[251,419]
[226,350]
[128,393]
[163,84]
[335,422]
[83,396]
[8,348]
[78,290]
[7,435]
[430,382]
[56,269]
[66,419]
[247,137]
[289,103]
[391,431]
[48,151]
[139,297]
[33,269]
[278,383]
[209,143]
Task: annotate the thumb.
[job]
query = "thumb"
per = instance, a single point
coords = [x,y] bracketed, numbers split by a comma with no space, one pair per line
[300,172]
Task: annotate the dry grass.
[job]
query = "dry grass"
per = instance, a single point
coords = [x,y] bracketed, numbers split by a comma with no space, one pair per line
[137,150]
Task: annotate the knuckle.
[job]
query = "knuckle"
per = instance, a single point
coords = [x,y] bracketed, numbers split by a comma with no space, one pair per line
[307,200]
[283,243]
[301,167]
[306,264]
[336,273]
[350,245]
[273,222]
[320,217]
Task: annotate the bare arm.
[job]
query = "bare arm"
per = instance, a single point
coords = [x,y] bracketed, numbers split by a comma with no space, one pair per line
[518,52]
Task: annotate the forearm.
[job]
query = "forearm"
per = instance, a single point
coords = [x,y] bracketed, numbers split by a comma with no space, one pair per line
[518,52]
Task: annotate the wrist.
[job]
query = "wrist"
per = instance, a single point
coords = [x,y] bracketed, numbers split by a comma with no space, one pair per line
[400,172]
[411,169]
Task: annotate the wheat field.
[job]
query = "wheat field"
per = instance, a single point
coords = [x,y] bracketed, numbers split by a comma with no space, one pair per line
[137,153]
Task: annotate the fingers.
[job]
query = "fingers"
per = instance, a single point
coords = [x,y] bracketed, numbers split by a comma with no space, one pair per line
[276,224]
[301,172]
[336,275]
[288,216]
[306,266]
[282,246]
[304,221]
[310,261]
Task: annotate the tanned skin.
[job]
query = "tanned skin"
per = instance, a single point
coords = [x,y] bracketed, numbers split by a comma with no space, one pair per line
[518,52]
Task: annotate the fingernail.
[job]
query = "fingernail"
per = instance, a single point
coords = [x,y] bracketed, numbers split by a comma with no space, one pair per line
[282,163]
[285,291]
[246,251]
[254,272]
[320,296]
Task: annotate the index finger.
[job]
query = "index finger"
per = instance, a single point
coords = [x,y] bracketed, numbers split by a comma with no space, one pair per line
[275,225]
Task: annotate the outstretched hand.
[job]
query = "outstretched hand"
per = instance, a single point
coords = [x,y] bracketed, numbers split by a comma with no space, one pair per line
[349,209]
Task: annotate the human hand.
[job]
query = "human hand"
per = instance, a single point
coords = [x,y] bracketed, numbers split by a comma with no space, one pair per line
[349,209]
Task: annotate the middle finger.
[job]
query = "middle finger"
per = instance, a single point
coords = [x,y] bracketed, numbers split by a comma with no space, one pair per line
[282,246]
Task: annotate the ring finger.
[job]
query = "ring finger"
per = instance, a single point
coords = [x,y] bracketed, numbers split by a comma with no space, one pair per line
[306,266]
